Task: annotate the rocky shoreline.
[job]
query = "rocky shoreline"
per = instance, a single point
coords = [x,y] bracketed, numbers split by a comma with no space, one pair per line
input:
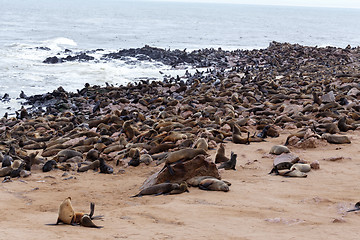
[311,90]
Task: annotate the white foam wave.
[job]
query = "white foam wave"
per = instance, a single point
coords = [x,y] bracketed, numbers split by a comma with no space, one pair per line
[58,44]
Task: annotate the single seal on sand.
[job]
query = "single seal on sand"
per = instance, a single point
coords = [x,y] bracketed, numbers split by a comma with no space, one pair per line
[336,139]
[158,189]
[213,184]
[292,173]
[231,164]
[279,149]
[220,154]
[66,212]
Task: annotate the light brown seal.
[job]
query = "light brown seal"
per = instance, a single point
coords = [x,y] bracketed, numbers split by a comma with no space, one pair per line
[66,212]
[213,184]
[336,139]
[279,149]
[220,154]
[201,143]
[302,167]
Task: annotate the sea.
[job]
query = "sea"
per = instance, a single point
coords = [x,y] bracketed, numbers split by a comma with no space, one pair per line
[32,30]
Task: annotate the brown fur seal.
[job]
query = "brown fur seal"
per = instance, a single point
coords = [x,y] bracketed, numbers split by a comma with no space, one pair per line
[292,173]
[94,165]
[182,188]
[220,154]
[302,167]
[336,139]
[281,166]
[279,149]
[343,127]
[213,184]
[174,136]
[66,212]
[183,155]
[5,171]
[236,136]
[231,164]
[195,181]
[201,143]
[65,154]
[146,158]
[158,189]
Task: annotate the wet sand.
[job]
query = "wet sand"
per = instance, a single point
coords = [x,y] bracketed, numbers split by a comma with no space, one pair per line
[258,205]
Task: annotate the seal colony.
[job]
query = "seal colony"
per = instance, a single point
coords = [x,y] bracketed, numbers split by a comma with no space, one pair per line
[244,97]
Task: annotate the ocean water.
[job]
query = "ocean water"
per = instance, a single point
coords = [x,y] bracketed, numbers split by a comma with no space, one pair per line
[80,25]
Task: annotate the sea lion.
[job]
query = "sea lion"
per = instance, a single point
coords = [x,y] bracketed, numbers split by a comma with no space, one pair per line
[48,166]
[263,133]
[104,168]
[16,172]
[65,154]
[213,184]
[292,173]
[183,155]
[16,164]
[87,222]
[279,149]
[281,166]
[182,188]
[231,164]
[66,212]
[5,171]
[336,139]
[195,181]
[146,158]
[7,161]
[236,136]
[174,136]
[302,167]
[201,143]
[128,129]
[220,154]
[343,127]
[158,189]
[135,157]
[94,165]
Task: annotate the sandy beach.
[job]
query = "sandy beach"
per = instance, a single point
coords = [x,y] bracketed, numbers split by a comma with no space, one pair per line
[258,205]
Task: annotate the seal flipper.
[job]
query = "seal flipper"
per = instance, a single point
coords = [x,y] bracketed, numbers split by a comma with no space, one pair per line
[86,222]
[92,209]
[205,185]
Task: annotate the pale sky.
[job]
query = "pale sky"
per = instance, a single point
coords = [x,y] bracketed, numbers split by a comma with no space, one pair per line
[307,3]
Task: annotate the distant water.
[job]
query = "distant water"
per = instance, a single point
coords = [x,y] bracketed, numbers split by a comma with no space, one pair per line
[26,25]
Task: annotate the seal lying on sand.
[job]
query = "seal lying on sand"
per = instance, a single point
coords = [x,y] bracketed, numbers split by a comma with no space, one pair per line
[213,184]
[158,189]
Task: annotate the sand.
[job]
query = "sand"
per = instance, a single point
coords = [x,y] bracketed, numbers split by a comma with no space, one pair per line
[258,205]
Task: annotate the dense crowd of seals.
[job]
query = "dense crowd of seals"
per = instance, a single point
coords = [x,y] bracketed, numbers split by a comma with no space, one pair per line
[245,96]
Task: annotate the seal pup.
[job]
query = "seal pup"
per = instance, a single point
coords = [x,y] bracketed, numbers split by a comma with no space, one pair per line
[104,168]
[135,159]
[263,133]
[48,166]
[182,188]
[158,189]
[94,165]
[7,161]
[213,184]
[220,154]
[231,164]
